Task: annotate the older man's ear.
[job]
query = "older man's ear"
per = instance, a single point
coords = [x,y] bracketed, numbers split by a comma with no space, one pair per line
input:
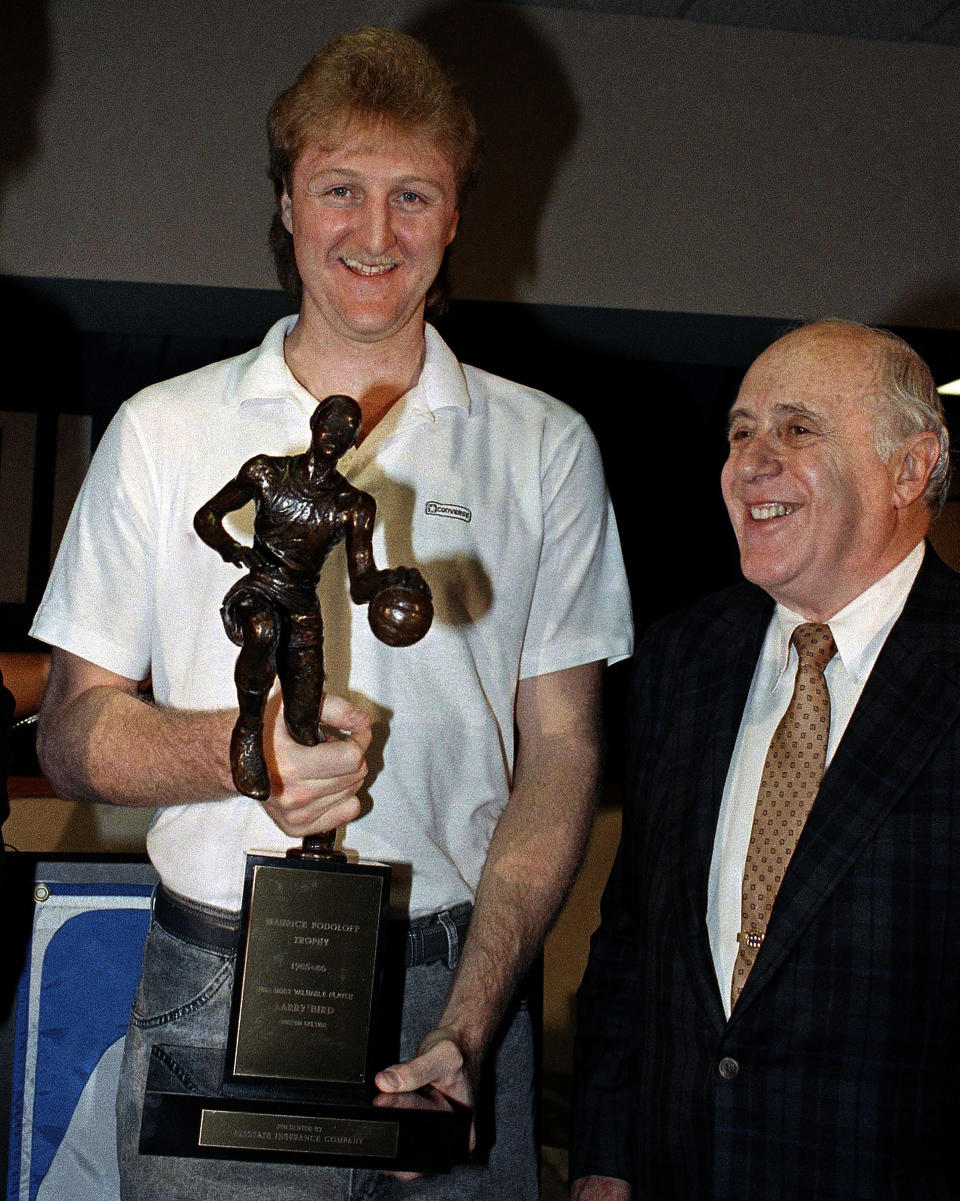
[918,457]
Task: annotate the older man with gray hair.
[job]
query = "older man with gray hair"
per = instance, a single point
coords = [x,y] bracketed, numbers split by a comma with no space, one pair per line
[772,1004]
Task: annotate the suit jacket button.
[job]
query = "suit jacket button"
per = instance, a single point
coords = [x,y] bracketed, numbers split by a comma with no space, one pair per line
[728,1068]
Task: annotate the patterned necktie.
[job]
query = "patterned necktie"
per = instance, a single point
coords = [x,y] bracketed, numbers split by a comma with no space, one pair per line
[789,784]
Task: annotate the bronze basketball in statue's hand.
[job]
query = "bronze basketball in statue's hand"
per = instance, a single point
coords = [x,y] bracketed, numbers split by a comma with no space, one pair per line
[400,615]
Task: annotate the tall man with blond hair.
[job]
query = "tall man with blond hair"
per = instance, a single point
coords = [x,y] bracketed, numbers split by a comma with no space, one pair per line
[772,1001]
[494,491]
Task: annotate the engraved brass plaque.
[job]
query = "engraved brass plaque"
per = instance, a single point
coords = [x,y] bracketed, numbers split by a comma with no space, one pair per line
[273,1132]
[308,975]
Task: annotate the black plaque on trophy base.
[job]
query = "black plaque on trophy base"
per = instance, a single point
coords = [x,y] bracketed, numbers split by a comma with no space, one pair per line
[186,1113]
[297,1081]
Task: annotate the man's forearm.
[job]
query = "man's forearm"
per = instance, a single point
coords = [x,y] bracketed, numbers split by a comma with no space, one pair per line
[108,745]
[529,869]
[534,855]
[98,742]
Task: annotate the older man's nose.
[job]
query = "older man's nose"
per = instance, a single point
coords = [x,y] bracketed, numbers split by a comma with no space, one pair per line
[760,458]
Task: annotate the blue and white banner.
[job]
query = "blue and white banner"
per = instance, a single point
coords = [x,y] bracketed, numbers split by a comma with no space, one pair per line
[73,1002]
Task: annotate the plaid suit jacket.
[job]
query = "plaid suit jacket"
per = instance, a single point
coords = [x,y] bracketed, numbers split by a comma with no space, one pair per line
[839,1071]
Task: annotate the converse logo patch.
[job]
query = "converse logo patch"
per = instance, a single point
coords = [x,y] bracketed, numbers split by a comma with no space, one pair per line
[434,508]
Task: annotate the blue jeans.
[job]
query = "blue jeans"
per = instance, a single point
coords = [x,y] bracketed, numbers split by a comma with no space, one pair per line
[184,1000]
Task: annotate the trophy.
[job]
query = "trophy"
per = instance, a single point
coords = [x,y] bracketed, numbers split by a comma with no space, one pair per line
[297,1081]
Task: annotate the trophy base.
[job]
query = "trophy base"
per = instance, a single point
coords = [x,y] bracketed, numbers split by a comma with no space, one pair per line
[188,1113]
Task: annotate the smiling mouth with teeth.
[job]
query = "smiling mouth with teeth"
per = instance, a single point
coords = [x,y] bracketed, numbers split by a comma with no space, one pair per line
[775,509]
[377,268]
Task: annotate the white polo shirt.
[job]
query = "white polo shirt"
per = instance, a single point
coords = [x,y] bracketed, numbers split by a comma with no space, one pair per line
[493,490]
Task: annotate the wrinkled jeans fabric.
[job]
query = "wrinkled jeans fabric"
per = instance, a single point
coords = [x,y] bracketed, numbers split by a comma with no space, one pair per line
[184,1000]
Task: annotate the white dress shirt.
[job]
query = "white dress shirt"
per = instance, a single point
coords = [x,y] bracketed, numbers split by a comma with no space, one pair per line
[859,630]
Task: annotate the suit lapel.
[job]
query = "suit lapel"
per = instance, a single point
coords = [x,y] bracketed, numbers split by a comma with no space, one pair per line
[910,701]
[713,718]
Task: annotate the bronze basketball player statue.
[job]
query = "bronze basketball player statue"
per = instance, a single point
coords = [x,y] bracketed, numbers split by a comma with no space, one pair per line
[304,508]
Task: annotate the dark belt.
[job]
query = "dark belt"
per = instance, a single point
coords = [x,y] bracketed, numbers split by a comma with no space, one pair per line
[436,938]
